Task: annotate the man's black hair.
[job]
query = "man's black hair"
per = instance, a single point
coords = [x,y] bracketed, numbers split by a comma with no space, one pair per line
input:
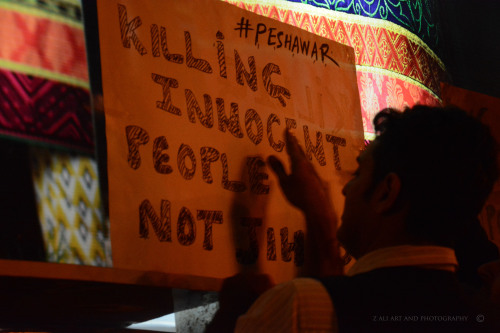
[447,163]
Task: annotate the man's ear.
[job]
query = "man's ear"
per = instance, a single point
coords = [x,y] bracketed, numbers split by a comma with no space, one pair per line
[387,192]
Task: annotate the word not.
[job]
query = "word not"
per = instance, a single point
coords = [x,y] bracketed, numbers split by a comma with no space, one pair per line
[279,39]
[187,232]
[160,47]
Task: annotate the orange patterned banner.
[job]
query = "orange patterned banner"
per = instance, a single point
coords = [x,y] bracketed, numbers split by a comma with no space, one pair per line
[43,47]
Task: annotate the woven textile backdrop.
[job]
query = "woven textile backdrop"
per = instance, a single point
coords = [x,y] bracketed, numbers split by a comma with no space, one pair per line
[44,98]
[393,42]
[43,73]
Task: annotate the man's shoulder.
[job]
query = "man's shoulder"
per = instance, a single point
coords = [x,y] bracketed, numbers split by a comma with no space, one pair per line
[298,305]
[300,290]
[429,298]
[383,282]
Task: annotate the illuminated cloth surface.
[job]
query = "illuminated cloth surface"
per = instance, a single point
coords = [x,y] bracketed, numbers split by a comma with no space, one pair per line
[395,67]
[45,110]
[44,76]
[416,16]
[378,91]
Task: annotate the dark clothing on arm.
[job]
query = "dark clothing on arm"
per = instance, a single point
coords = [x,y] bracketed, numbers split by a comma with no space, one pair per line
[408,299]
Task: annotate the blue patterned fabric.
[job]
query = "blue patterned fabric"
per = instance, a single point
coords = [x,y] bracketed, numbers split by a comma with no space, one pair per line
[417,16]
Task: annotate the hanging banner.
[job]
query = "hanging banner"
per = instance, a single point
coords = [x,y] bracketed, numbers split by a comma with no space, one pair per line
[197,95]
[486,108]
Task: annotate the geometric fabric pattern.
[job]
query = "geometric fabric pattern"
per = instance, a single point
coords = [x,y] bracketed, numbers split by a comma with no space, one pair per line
[38,44]
[70,209]
[44,110]
[394,66]
[391,50]
[416,16]
[44,84]
[67,10]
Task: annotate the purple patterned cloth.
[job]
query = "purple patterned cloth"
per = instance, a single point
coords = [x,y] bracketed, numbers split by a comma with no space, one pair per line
[43,110]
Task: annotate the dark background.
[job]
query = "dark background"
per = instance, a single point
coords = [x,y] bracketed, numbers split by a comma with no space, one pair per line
[470,43]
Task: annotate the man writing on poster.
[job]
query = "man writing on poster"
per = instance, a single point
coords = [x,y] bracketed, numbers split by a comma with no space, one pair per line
[418,186]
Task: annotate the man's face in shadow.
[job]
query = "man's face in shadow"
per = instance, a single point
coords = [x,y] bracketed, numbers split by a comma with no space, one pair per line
[357,218]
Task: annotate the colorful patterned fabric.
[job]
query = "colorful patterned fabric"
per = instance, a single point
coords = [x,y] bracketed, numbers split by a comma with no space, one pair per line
[44,110]
[69,10]
[69,207]
[416,16]
[378,91]
[395,68]
[43,73]
[47,46]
